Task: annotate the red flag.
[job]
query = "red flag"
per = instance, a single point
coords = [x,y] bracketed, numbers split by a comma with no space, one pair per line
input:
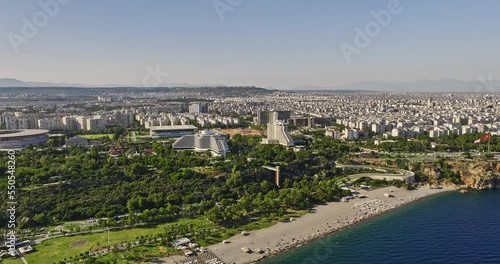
[485,137]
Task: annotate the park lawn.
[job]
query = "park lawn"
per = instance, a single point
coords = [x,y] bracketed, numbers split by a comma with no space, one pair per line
[97,136]
[53,250]
[268,222]
[58,248]
[140,252]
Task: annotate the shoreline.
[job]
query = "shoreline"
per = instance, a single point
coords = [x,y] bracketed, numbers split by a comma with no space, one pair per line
[352,224]
[329,218]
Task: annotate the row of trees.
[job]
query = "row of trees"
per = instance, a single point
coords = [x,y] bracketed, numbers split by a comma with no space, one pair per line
[422,143]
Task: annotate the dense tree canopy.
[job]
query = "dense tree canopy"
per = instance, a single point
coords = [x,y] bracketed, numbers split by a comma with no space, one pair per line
[78,183]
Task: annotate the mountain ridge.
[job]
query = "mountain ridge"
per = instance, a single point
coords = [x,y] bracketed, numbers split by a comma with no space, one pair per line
[422,86]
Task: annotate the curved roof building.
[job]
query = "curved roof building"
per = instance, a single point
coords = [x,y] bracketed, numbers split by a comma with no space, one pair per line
[206,140]
[20,139]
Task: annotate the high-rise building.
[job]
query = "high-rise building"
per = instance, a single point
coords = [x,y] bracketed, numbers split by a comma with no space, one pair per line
[198,108]
[264,117]
[123,118]
[277,132]
[96,124]
[351,133]
[50,123]
[70,123]
[18,121]
[82,122]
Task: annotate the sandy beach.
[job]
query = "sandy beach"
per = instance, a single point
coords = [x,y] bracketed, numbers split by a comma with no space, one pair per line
[325,220]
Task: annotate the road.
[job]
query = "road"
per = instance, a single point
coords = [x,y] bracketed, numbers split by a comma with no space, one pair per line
[404,175]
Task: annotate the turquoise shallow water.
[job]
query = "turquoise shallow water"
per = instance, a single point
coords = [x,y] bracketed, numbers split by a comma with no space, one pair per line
[445,228]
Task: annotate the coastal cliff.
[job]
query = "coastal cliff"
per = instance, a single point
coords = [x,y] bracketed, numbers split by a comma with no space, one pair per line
[474,174]
[430,170]
[468,173]
[479,175]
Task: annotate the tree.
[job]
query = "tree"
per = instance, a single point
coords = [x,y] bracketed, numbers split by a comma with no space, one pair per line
[215,215]
[235,179]
[266,186]
[41,219]
[137,170]
[133,205]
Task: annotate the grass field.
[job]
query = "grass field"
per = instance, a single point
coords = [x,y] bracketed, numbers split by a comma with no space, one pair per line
[53,250]
[140,252]
[96,136]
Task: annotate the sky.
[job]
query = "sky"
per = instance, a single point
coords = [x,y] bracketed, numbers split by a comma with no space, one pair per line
[268,43]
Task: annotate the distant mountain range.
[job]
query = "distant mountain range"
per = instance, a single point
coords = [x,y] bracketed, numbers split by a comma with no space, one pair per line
[10,82]
[423,86]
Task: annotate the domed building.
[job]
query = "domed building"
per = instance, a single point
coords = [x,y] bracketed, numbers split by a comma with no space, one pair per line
[20,139]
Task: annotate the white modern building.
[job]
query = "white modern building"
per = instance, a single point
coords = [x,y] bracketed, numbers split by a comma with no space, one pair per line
[123,118]
[206,140]
[70,123]
[351,133]
[96,124]
[18,121]
[277,133]
[198,108]
[54,123]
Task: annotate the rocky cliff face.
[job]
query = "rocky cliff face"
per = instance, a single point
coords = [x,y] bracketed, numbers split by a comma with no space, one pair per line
[478,174]
[475,174]
[431,171]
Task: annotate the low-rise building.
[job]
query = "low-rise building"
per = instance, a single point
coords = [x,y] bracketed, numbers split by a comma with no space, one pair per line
[206,140]
[77,141]
[172,131]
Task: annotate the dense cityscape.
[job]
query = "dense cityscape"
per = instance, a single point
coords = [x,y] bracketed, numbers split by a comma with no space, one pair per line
[362,114]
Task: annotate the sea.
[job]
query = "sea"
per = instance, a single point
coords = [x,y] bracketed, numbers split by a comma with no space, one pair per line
[450,227]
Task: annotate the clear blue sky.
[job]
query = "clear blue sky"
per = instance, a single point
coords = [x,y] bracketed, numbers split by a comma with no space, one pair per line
[269,43]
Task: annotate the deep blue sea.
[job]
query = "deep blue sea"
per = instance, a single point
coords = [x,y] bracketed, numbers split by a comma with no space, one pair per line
[444,228]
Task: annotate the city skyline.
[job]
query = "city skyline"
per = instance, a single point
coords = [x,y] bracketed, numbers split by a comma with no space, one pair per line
[297,44]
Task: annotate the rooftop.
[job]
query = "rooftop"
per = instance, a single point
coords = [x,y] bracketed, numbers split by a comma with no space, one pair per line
[177,127]
[22,133]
